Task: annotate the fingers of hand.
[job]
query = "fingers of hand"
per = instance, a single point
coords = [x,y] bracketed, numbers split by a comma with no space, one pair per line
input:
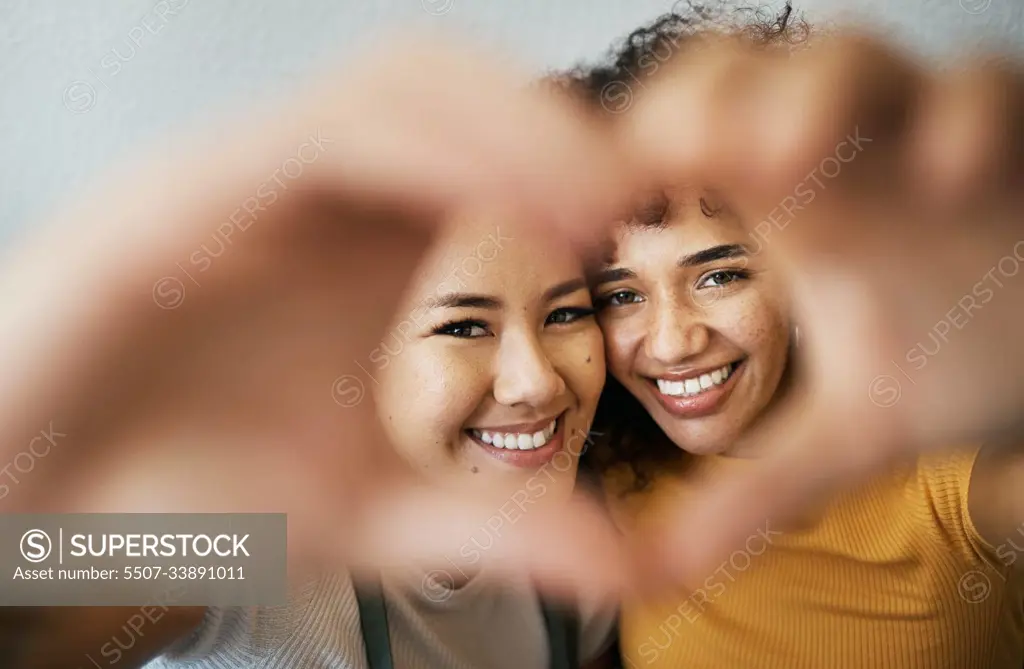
[567,548]
[761,118]
[693,120]
[969,143]
[735,115]
[459,128]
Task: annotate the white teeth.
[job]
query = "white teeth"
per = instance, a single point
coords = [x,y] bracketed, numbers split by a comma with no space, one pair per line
[517,441]
[695,385]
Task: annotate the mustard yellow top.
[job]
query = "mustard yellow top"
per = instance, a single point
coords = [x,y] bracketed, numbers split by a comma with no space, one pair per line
[892,575]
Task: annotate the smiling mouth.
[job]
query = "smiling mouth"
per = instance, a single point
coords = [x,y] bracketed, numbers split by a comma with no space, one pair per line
[522,441]
[698,395]
[698,383]
[527,448]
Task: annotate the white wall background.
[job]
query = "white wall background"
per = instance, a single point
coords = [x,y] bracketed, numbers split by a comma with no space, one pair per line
[65,111]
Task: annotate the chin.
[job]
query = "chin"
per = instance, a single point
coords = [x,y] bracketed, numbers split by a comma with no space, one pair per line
[697,446]
[702,439]
[706,449]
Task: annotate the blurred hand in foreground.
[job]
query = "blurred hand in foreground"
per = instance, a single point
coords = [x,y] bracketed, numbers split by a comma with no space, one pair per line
[183,329]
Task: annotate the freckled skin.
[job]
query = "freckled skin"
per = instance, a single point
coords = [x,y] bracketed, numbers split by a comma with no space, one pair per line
[525,368]
[683,322]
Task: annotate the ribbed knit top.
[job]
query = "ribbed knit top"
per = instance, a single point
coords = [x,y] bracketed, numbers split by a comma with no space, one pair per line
[892,575]
[482,625]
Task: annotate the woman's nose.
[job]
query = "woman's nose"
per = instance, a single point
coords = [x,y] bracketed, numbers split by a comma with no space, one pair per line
[675,332]
[525,375]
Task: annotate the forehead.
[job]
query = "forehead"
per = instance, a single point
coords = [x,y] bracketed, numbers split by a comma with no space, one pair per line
[494,256]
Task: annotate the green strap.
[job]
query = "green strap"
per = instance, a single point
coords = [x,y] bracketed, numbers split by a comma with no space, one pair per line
[563,641]
[373,619]
[561,628]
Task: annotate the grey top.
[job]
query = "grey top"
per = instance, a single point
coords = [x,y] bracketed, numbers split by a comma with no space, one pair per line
[479,626]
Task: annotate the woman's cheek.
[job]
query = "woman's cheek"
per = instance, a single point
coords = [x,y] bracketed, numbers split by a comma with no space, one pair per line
[454,388]
[430,398]
[579,359]
[761,327]
[588,371]
[621,337]
[750,320]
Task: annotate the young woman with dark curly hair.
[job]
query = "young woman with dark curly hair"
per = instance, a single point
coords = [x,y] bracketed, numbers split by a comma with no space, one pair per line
[700,342]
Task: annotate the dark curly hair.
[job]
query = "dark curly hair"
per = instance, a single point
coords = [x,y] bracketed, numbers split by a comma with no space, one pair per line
[625,434]
[609,83]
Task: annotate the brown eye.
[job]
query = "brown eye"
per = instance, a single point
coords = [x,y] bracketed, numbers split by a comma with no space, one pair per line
[721,278]
[620,298]
[463,329]
[569,314]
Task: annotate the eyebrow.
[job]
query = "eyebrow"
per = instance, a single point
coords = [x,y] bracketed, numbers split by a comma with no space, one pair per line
[720,252]
[457,300]
[469,300]
[613,274]
[565,288]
